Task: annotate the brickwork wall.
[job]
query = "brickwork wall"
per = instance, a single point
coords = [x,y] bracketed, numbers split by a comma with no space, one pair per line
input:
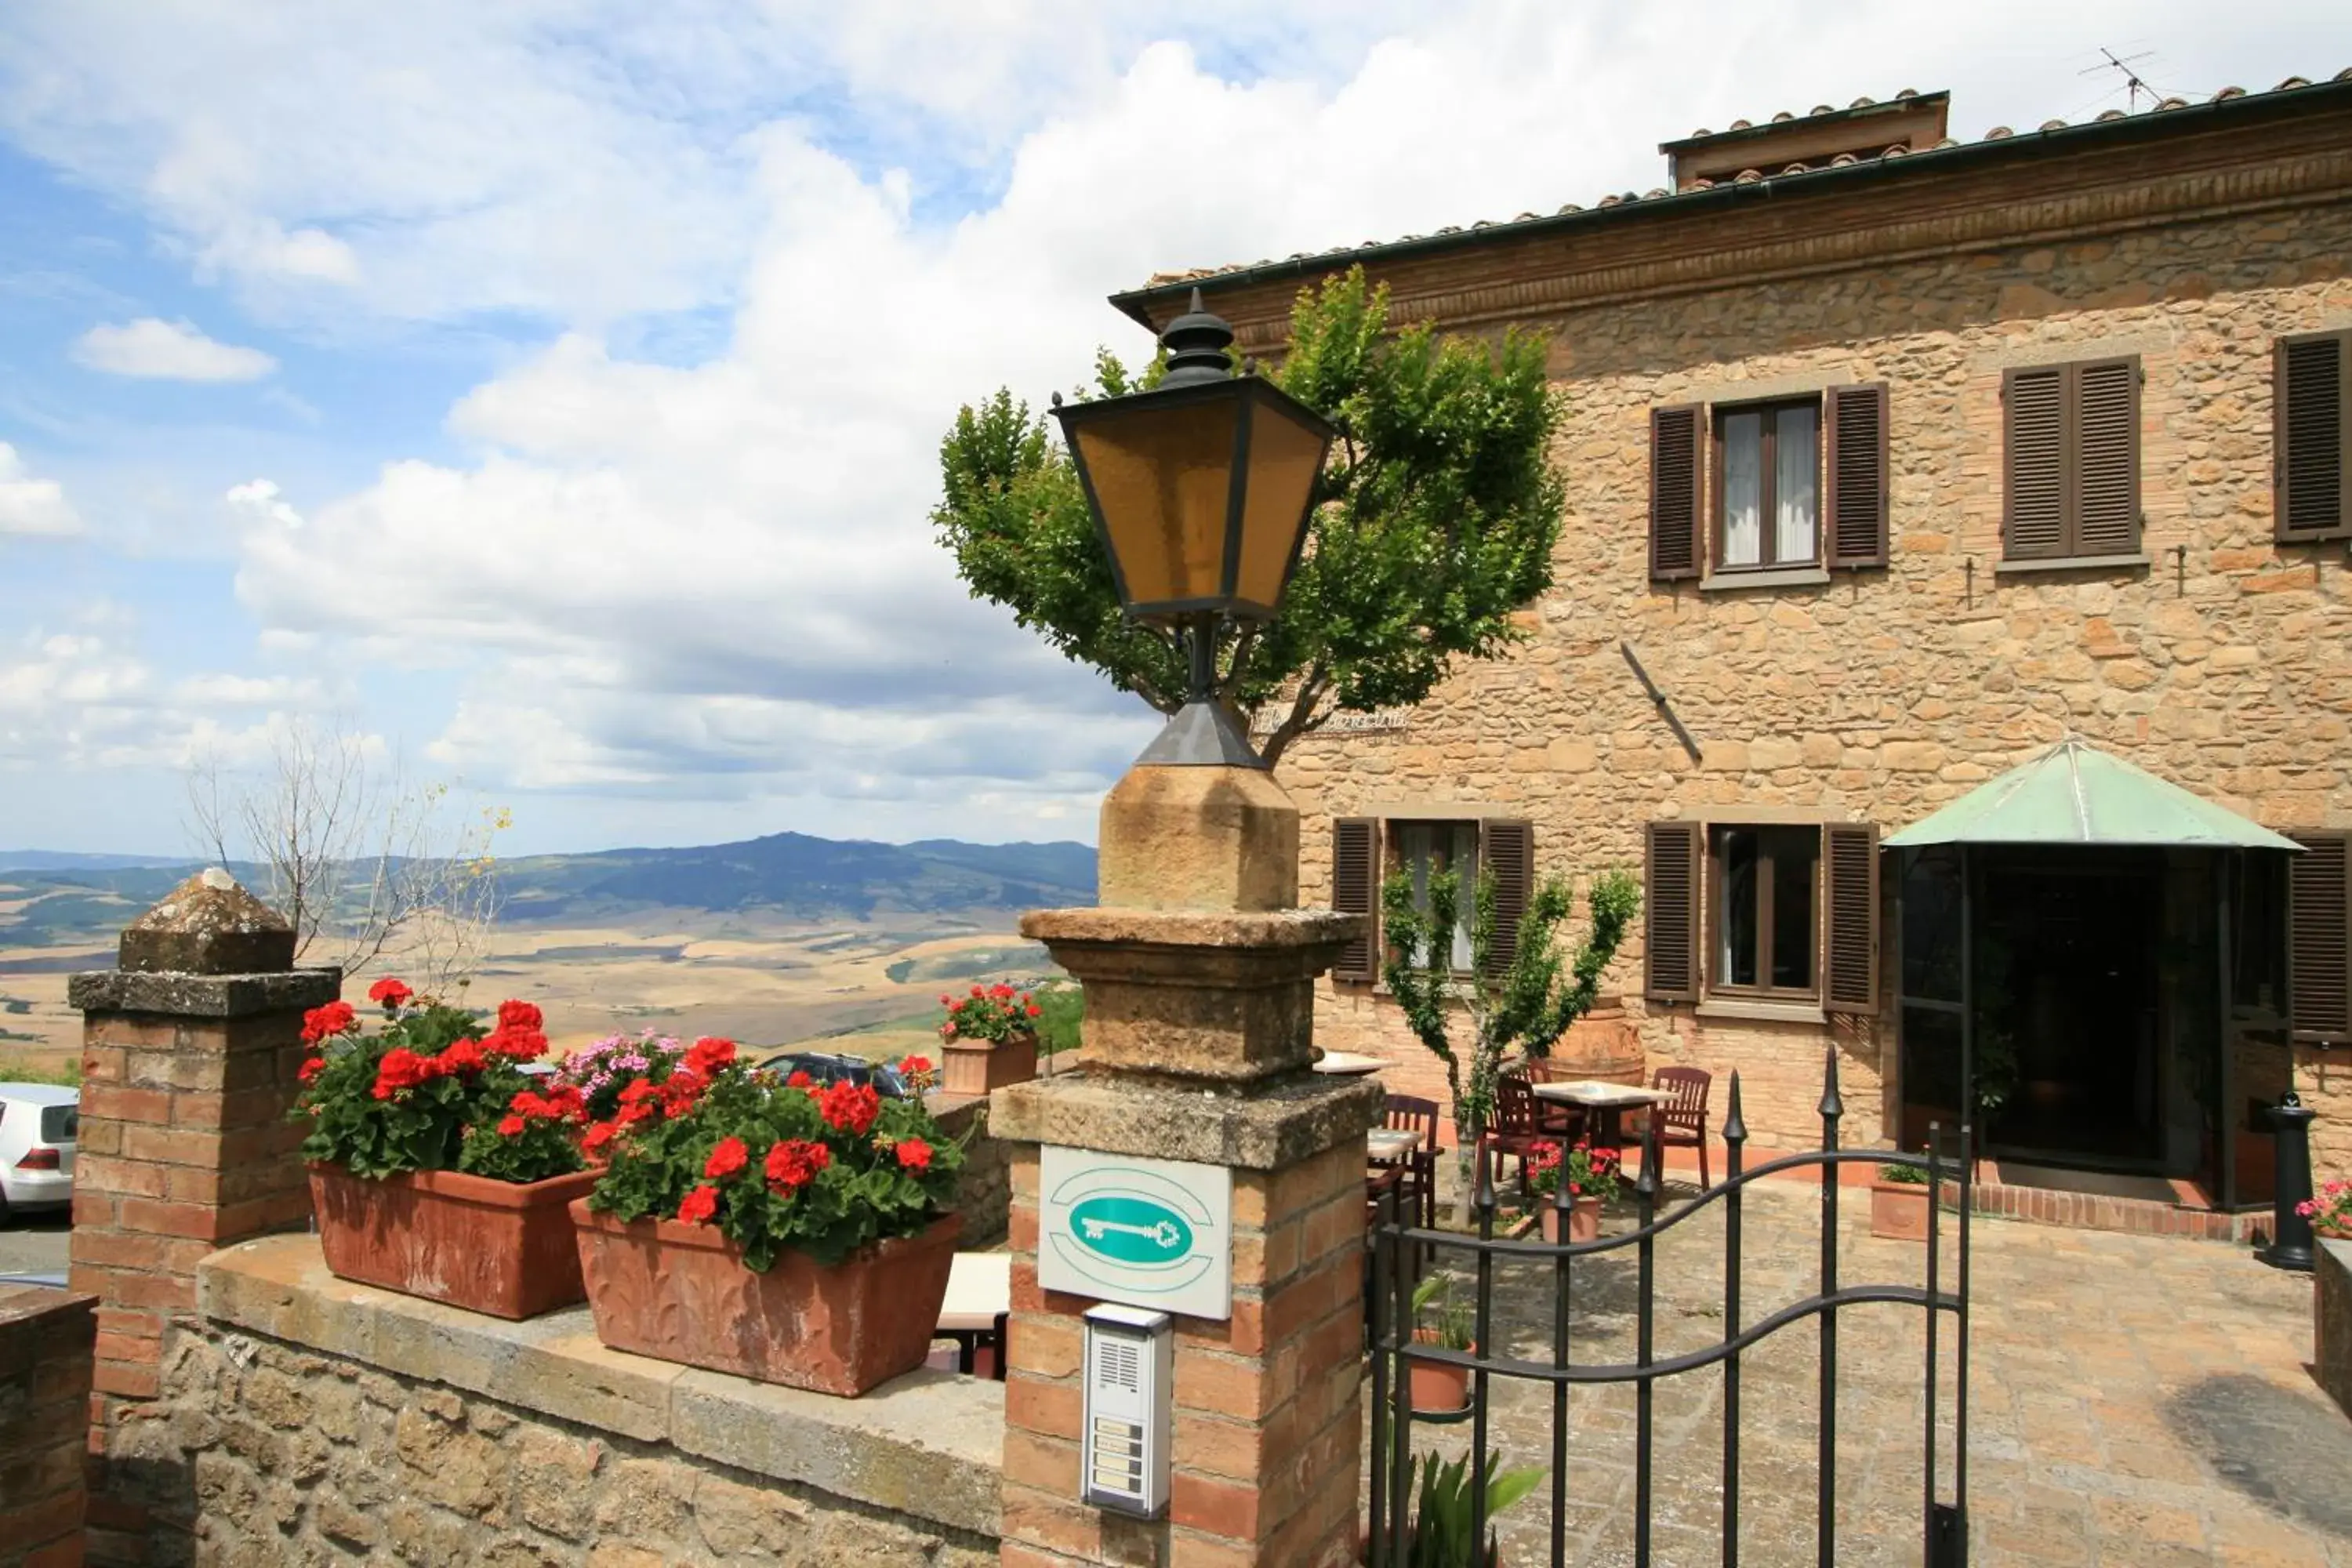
[1268,1422]
[2224,666]
[46,1338]
[184,1146]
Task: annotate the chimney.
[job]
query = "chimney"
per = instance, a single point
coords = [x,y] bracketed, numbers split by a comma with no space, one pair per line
[1913,122]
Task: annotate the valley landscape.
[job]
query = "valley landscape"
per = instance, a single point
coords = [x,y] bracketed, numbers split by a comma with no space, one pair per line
[782,940]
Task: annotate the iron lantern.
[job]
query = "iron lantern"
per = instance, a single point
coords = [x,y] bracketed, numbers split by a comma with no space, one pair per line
[1201,490]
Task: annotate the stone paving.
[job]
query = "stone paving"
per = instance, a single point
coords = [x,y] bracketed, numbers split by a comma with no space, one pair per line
[2139,1400]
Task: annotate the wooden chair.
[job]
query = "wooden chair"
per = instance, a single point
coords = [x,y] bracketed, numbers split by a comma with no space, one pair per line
[1681,1118]
[1518,1130]
[1558,1120]
[1416,1175]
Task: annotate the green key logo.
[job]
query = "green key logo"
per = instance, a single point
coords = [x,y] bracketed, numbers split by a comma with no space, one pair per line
[1131,1229]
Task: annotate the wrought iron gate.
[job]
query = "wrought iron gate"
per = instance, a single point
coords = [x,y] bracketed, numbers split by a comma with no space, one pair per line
[1399,1246]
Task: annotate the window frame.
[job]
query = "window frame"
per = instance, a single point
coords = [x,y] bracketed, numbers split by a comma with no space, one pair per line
[2281,350]
[1392,860]
[1767,886]
[1766,477]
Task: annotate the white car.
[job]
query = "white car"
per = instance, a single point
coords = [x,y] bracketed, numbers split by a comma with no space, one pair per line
[38,1125]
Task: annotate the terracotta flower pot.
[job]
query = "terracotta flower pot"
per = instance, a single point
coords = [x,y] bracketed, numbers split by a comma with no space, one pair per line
[1583,1219]
[680,1292]
[1435,1389]
[501,1247]
[1898,1210]
[984,1067]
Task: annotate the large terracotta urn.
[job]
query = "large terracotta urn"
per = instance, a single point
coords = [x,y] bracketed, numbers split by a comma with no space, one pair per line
[501,1247]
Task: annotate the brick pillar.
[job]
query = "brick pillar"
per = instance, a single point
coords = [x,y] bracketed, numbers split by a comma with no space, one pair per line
[1198,1039]
[190,1052]
[45,1364]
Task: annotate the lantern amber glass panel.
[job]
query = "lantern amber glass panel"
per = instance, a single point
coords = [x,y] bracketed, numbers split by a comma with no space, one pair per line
[1285,454]
[1163,479]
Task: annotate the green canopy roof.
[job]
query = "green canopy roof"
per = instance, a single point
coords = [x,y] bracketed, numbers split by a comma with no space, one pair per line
[2073,794]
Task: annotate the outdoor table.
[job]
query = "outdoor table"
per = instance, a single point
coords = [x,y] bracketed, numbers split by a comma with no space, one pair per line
[1347,1063]
[1607,1101]
[1387,1145]
[979,1299]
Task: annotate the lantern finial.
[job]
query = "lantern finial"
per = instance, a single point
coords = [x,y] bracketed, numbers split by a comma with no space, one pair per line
[1196,343]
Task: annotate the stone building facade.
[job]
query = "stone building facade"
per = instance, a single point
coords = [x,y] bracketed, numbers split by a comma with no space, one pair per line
[2185,242]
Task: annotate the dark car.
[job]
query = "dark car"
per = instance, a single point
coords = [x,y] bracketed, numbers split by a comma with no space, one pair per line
[827,1067]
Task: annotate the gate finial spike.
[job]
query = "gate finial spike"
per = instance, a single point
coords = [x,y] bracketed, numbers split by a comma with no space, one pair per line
[1735,1126]
[1486,1189]
[1832,1103]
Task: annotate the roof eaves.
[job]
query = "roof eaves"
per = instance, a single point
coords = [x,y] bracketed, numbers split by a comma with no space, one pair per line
[1135,303]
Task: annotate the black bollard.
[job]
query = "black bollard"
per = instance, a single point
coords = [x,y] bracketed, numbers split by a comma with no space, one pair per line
[2290,1244]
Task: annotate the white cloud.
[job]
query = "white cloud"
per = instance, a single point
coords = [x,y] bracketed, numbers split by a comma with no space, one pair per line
[29,505]
[168,350]
[258,501]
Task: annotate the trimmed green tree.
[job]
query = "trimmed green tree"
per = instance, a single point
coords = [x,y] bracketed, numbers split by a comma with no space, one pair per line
[1523,1001]
[1435,519]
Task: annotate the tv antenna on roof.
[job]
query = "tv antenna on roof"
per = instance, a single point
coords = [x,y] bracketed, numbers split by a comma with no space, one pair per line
[2130,77]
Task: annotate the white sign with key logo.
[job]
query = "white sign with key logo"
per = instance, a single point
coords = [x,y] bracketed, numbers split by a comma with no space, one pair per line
[1147,1233]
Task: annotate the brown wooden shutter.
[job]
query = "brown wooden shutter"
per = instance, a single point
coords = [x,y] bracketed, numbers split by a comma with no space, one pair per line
[2105,458]
[2319,945]
[2033,490]
[1856,475]
[1355,891]
[1670,914]
[2311,437]
[1674,492]
[1510,852]
[1850,972]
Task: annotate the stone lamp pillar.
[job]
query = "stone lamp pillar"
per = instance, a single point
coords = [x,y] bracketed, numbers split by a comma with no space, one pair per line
[191,1048]
[1199,977]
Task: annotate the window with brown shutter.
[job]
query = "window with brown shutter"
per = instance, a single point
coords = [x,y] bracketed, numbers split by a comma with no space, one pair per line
[2071,488]
[1670,913]
[2311,437]
[2319,945]
[1355,891]
[1850,975]
[1510,852]
[1855,475]
[1674,492]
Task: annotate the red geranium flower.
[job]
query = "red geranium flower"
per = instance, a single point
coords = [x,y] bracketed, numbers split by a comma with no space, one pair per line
[914,1154]
[521,1017]
[331,1019]
[850,1108]
[510,1126]
[311,1069]
[391,994]
[730,1157]
[707,1055]
[698,1205]
[459,1056]
[598,1135]
[400,1070]
[795,1162]
[915,1066]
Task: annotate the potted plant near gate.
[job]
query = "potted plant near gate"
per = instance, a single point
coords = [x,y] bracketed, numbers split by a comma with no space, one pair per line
[988,1038]
[437,1167]
[1900,1202]
[1592,1176]
[1439,1535]
[1436,1388]
[782,1230]
[2330,1212]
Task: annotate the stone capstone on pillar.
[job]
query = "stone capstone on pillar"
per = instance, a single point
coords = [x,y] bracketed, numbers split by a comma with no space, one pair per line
[207,925]
[1198,838]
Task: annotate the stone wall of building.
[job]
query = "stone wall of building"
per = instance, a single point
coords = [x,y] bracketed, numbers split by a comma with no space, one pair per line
[2223,664]
[306,1420]
[46,1356]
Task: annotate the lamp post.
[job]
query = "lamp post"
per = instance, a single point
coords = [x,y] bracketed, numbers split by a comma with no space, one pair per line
[1201,490]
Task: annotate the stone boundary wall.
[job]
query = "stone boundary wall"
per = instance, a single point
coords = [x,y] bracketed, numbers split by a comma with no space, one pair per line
[984,1190]
[312,1420]
[2331,1352]
[46,1350]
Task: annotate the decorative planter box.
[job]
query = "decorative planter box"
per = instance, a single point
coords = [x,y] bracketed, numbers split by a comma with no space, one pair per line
[680,1292]
[1583,1219]
[1899,1210]
[489,1246]
[984,1067]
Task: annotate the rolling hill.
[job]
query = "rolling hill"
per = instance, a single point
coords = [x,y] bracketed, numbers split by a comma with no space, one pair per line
[46,903]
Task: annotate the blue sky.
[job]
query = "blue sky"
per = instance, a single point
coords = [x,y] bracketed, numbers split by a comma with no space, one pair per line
[546,394]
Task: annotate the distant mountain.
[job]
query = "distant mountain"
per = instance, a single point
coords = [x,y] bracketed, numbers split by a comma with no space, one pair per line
[61,860]
[790,874]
